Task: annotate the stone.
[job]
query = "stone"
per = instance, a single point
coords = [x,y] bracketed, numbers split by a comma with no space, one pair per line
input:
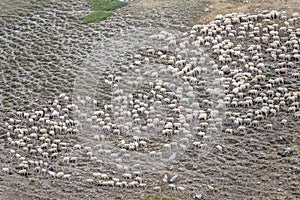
[198,196]
[287,152]
[173,178]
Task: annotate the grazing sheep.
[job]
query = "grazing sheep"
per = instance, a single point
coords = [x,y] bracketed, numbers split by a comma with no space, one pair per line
[5,170]
[52,174]
[127,176]
[59,175]
[133,184]
[23,172]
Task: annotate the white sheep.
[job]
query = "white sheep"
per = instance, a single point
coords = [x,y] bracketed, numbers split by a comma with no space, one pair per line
[66,159]
[127,176]
[77,146]
[104,176]
[197,144]
[52,174]
[59,175]
[133,184]
[73,159]
[23,172]
[143,144]
[107,183]
[202,116]
[172,187]
[5,170]
[89,181]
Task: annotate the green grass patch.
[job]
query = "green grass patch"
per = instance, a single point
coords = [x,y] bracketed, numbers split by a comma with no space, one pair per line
[107,5]
[97,16]
[102,10]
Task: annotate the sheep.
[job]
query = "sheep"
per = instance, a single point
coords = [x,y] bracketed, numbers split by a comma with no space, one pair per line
[167,132]
[203,125]
[241,129]
[127,176]
[77,146]
[138,179]
[202,116]
[269,126]
[172,187]
[5,170]
[73,159]
[197,144]
[106,183]
[104,176]
[97,175]
[143,144]
[54,155]
[169,125]
[89,181]
[133,184]
[45,154]
[297,115]
[52,174]
[66,160]
[52,150]
[59,175]
[119,184]
[23,172]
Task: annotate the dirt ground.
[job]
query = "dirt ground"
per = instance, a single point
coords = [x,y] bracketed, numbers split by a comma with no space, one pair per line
[250,166]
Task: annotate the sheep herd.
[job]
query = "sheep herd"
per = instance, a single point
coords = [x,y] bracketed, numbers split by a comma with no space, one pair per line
[235,75]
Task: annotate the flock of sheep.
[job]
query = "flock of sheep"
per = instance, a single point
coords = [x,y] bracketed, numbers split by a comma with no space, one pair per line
[237,74]
[258,65]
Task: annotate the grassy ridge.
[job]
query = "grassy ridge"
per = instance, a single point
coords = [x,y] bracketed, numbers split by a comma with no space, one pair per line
[102,10]
[107,5]
[96,16]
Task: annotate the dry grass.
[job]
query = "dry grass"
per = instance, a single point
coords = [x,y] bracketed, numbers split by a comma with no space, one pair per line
[150,4]
[9,7]
[237,6]
[158,196]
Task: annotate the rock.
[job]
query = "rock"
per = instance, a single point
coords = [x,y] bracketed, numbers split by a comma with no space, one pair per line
[195,167]
[281,139]
[287,152]
[198,196]
[173,178]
